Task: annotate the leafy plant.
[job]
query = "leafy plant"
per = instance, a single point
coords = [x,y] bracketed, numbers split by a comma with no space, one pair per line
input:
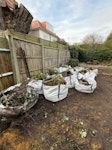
[73,62]
[56,80]
[83,133]
[64,118]
[40,76]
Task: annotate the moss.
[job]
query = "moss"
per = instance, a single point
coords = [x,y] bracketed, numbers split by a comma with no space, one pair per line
[38,40]
[3,43]
[25,36]
[54,44]
[60,46]
[45,42]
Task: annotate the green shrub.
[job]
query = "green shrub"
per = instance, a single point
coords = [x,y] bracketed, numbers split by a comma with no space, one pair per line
[95,54]
[73,52]
[73,62]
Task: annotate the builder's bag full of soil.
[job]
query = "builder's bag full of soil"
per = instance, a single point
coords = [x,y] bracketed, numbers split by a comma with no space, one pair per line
[55,89]
[17,99]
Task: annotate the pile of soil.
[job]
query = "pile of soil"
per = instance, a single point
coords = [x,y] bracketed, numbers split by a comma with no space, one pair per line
[84,82]
[56,80]
[66,73]
[83,71]
[15,97]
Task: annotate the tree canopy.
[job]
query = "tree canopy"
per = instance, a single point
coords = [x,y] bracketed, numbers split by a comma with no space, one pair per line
[108,41]
[92,41]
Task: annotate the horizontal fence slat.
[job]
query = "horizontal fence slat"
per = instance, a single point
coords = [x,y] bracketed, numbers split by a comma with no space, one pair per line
[55,66]
[4,49]
[50,58]
[21,39]
[23,72]
[6,74]
[30,57]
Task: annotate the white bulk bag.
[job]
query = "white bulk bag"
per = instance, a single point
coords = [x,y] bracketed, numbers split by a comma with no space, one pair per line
[15,110]
[78,69]
[90,74]
[95,71]
[62,69]
[72,70]
[12,87]
[86,88]
[79,75]
[37,85]
[10,111]
[55,93]
[70,80]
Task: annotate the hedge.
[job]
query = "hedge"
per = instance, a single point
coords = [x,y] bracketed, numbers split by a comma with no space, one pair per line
[89,55]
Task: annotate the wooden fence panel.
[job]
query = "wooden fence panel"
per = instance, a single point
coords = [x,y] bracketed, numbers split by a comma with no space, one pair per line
[6,74]
[6,82]
[50,58]
[5,62]
[39,58]
[33,56]
[64,57]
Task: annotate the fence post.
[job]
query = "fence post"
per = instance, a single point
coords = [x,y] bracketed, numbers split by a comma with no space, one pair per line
[14,61]
[66,58]
[58,58]
[43,57]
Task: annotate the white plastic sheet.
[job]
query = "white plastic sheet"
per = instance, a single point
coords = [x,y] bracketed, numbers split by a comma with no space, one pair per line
[55,93]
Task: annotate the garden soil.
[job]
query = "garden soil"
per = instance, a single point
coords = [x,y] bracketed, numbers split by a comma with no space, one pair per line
[79,122]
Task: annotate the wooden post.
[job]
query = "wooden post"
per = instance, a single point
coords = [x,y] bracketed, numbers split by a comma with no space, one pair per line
[58,59]
[43,57]
[66,58]
[14,61]
[1,85]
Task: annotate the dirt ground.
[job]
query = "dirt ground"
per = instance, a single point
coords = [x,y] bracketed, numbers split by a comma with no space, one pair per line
[79,122]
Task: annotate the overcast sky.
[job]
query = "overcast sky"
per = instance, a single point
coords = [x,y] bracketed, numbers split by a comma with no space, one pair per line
[73,19]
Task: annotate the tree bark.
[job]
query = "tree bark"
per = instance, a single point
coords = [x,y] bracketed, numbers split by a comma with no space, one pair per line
[19,19]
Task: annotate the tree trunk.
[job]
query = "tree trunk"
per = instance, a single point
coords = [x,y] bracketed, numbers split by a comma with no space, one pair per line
[19,19]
